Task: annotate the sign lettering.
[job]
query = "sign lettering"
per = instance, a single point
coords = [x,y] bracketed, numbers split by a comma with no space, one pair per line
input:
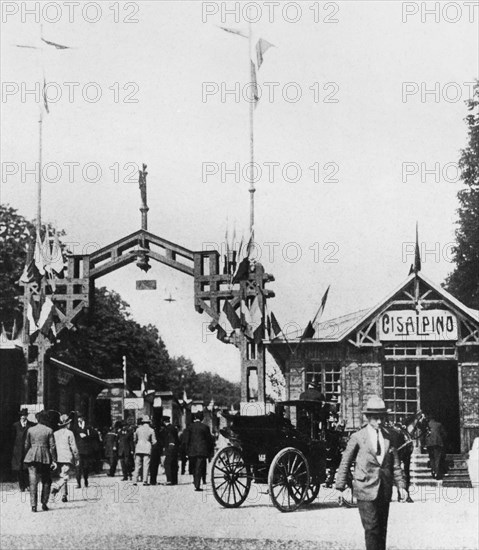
[436,324]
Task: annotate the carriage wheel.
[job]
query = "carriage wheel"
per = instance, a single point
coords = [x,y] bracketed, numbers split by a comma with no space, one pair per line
[230,477]
[288,479]
[311,493]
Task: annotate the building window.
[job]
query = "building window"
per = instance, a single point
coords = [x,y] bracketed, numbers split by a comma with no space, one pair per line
[400,390]
[327,376]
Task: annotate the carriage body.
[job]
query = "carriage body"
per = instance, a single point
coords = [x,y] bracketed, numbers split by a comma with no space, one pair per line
[286,449]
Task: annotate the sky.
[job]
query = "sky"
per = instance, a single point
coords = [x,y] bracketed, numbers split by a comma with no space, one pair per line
[357,135]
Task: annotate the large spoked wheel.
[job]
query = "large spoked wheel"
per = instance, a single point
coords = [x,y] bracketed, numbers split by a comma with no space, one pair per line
[288,479]
[230,477]
[311,493]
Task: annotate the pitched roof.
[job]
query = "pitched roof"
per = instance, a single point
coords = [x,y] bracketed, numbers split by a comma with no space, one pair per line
[336,329]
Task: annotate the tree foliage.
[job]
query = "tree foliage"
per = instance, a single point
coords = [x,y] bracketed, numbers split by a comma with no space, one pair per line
[463,282]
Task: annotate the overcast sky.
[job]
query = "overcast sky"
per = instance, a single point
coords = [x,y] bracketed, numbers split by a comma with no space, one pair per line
[341,105]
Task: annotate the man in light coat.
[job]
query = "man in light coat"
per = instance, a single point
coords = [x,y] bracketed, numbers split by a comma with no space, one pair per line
[144,439]
[377,467]
[67,455]
[40,457]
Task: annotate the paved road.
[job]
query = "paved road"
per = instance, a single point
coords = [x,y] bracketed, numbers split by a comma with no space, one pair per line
[113,514]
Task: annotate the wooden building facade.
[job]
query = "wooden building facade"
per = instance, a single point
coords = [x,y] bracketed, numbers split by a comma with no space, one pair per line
[418,349]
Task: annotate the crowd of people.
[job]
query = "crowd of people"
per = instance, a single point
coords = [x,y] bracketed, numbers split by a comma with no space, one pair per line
[41,453]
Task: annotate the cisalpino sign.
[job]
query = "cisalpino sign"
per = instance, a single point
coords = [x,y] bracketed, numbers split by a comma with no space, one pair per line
[437,324]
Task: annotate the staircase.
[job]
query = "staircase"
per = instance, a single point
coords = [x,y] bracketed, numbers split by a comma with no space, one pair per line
[457,476]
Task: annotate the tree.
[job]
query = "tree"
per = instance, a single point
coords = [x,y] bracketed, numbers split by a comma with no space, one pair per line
[210,386]
[107,334]
[463,282]
[15,233]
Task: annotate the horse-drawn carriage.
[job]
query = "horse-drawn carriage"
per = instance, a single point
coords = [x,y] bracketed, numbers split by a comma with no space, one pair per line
[287,450]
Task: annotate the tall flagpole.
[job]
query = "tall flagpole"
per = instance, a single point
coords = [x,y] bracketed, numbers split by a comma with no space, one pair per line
[39,183]
[40,122]
[251,135]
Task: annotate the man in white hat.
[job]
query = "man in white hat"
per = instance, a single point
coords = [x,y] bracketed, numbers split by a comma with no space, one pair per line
[377,468]
[144,439]
[67,455]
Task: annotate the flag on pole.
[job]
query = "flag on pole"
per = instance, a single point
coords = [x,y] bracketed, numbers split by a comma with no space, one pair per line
[45,100]
[256,320]
[45,320]
[309,331]
[234,31]
[228,322]
[246,320]
[275,329]
[259,48]
[30,271]
[3,335]
[57,261]
[33,313]
[262,46]
[38,255]
[321,306]
[14,329]
[417,254]
[57,46]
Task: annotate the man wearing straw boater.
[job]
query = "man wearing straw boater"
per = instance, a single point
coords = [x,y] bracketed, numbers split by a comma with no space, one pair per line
[377,468]
[67,455]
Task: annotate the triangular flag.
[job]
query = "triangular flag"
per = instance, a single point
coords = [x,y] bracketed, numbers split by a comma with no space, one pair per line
[234,31]
[256,320]
[242,273]
[45,320]
[38,255]
[57,260]
[224,327]
[246,320]
[321,306]
[14,329]
[33,313]
[308,331]
[45,100]
[417,254]
[3,335]
[262,46]
[231,315]
[275,328]
[57,46]
[47,251]
[30,271]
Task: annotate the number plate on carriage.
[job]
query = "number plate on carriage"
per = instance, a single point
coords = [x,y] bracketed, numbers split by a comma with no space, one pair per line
[261,458]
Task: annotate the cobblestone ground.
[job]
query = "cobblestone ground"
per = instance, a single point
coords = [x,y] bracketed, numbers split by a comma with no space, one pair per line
[112,514]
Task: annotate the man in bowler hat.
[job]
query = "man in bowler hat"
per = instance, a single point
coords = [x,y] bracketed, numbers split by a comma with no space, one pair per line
[200,446]
[171,441]
[377,467]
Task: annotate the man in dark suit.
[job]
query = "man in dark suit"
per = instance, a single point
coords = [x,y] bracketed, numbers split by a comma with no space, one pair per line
[377,468]
[40,457]
[171,442]
[126,448]
[83,439]
[200,446]
[20,432]
[435,443]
